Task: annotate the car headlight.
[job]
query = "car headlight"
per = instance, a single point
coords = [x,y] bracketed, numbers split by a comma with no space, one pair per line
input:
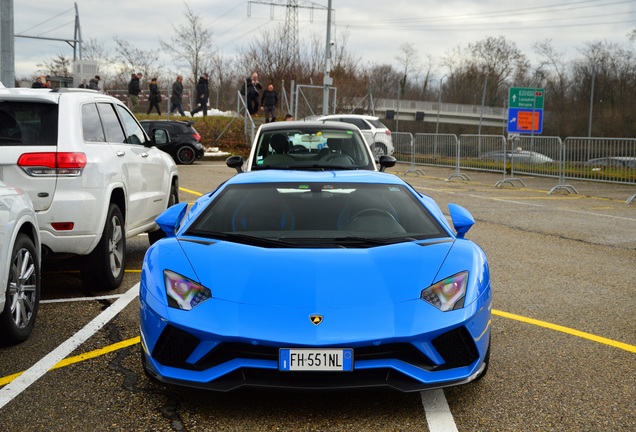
[447,294]
[184,293]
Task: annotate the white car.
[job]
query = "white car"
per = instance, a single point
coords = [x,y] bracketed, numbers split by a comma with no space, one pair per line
[312,146]
[378,136]
[92,173]
[19,265]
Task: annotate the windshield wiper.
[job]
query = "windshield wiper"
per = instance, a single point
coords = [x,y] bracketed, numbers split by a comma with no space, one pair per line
[370,241]
[242,238]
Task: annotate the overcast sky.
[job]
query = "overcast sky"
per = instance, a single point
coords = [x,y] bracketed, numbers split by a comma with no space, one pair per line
[376,28]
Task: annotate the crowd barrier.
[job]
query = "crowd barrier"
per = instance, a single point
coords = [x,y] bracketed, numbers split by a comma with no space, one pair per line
[611,160]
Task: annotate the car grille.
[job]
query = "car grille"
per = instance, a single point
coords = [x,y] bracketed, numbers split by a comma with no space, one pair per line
[175,346]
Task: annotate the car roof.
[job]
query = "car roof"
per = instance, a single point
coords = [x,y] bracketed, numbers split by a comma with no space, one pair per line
[53,95]
[292,125]
[361,116]
[356,176]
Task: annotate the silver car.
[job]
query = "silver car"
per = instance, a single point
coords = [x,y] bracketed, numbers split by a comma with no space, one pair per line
[19,265]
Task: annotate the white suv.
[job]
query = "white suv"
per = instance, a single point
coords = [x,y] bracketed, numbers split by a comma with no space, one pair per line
[378,136]
[92,173]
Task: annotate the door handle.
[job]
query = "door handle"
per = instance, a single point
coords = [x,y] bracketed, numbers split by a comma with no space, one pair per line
[121,153]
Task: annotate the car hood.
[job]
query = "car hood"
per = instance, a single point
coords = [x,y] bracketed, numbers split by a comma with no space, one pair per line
[334,277]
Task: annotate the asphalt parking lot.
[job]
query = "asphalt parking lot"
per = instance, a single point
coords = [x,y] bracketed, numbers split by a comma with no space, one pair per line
[564,335]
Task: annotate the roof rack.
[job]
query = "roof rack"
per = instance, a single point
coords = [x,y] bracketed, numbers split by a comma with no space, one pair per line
[72,90]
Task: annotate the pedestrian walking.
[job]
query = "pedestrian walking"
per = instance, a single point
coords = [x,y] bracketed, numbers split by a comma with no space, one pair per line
[155,96]
[176,98]
[269,100]
[203,94]
[134,90]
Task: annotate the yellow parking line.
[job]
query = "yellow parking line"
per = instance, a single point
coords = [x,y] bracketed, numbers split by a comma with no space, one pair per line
[81,357]
[567,330]
[190,191]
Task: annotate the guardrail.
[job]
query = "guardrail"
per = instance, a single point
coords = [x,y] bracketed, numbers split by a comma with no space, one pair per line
[611,160]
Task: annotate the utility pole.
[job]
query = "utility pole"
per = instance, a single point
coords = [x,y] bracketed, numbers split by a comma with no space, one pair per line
[327,80]
[7,45]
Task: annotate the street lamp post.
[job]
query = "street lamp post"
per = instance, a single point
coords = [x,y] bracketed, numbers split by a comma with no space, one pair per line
[589,125]
[439,103]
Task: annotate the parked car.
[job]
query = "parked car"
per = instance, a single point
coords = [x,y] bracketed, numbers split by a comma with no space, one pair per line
[92,173]
[19,265]
[309,145]
[619,162]
[354,279]
[184,144]
[518,156]
[378,136]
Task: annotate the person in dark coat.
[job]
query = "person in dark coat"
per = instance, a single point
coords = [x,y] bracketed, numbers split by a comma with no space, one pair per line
[176,97]
[38,83]
[134,89]
[93,84]
[155,97]
[253,94]
[269,100]
[203,94]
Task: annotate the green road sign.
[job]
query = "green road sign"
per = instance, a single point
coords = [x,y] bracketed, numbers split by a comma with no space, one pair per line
[523,97]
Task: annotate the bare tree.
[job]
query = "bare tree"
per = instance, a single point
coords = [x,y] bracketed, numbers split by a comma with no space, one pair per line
[409,60]
[192,45]
[95,50]
[60,65]
[133,60]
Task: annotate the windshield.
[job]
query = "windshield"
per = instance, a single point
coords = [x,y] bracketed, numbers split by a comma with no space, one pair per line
[311,148]
[316,215]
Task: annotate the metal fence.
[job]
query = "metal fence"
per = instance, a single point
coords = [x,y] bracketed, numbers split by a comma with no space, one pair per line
[587,159]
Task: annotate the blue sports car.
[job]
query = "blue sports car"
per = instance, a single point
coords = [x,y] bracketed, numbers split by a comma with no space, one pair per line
[315,280]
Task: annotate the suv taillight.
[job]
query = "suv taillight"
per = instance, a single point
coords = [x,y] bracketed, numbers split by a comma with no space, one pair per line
[52,163]
[196,136]
[388,132]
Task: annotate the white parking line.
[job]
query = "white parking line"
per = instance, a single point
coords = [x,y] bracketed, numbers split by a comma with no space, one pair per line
[35,372]
[438,414]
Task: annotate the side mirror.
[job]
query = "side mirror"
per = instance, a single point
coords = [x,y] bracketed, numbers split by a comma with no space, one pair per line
[235,162]
[462,219]
[160,136]
[387,162]
[171,218]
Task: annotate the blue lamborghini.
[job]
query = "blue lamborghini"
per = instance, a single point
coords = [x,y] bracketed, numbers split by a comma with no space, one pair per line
[315,280]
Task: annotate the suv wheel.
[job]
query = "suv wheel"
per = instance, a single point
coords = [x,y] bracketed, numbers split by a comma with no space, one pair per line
[103,268]
[379,149]
[185,155]
[23,292]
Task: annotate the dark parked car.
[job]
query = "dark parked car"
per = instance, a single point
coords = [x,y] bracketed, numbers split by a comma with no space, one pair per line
[185,142]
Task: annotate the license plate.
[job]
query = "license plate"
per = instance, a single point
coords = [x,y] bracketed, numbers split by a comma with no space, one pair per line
[315,359]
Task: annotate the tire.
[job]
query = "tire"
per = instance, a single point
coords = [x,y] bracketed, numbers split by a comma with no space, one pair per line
[154,236]
[23,292]
[103,269]
[185,155]
[379,149]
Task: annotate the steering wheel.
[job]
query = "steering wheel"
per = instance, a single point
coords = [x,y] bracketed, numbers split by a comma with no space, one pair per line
[372,212]
[297,148]
[344,157]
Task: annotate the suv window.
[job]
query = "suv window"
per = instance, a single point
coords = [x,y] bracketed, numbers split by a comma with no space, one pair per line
[114,132]
[358,122]
[134,133]
[91,124]
[377,124]
[28,123]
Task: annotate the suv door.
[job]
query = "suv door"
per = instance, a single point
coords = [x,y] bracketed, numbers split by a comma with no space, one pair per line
[130,154]
[156,178]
